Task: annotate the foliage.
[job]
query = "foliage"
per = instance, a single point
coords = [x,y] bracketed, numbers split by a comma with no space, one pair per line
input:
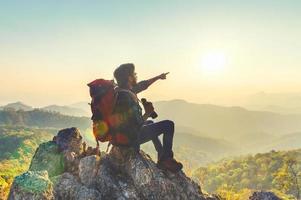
[268,171]
[227,193]
[287,178]
[17,146]
[42,119]
[48,157]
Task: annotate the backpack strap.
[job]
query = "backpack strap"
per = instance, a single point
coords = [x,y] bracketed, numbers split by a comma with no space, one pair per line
[97,143]
[133,95]
[109,144]
[115,98]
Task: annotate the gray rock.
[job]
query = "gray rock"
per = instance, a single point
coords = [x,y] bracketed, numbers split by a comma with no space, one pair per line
[69,187]
[88,168]
[114,184]
[59,156]
[262,195]
[69,139]
[149,180]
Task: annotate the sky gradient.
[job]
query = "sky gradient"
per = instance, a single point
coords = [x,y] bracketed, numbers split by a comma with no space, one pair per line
[50,50]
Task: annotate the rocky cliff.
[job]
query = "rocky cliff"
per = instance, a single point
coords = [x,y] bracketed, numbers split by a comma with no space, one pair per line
[65,169]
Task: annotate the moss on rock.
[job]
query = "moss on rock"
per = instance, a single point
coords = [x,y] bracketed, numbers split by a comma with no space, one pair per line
[34,182]
[48,157]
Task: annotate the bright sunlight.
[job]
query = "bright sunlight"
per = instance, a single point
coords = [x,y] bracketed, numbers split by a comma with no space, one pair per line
[213,63]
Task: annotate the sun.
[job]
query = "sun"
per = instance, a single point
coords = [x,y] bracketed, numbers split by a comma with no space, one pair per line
[213,62]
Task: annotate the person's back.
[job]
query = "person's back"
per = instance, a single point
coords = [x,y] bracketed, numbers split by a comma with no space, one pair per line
[129,115]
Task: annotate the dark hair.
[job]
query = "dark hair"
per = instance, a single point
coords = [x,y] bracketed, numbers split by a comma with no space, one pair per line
[123,72]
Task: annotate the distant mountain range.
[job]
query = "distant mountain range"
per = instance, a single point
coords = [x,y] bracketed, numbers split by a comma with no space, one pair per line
[284,103]
[77,110]
[286,142]
[38,118]
[227,122]
[244,129]
[66,110]
[17,106]
[248,131]
[82,105]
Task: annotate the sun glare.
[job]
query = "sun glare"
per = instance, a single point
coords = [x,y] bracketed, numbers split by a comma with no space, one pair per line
[213,62]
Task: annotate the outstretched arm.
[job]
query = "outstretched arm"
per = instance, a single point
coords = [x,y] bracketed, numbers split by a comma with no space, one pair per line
[161,76]
[143,85]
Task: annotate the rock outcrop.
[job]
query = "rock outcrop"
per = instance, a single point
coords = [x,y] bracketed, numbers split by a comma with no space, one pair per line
[32,185]
[262,195]
[48,157]
[62,169]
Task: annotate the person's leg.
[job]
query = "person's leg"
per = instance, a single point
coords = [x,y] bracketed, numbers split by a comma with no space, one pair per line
[153,130]
[156,141]
[147,122]
[158,146]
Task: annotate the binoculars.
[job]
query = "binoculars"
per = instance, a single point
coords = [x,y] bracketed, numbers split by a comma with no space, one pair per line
[145,103]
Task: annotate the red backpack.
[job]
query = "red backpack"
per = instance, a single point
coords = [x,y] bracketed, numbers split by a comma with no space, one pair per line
[103,93]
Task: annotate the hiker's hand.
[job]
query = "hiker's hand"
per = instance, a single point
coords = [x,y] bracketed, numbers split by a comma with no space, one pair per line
[149,108]
[70,156]
[163,75]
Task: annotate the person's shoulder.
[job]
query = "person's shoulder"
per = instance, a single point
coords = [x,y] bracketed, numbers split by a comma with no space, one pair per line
[140,86]
[124,96]
[123,93]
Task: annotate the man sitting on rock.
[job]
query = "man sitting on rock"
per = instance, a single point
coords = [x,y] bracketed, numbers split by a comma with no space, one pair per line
[135,125]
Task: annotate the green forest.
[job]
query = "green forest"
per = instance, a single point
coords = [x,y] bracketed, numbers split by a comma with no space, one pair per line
[17,146]
[21,132]
[277,171]
[41,119]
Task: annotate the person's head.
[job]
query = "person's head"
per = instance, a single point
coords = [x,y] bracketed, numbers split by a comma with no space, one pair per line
[125,75]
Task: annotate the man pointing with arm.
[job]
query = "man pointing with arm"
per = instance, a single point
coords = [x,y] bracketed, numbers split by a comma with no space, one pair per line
[143,85]
[134,124]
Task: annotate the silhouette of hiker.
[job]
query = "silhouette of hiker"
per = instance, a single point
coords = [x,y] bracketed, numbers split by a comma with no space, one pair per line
[135,125]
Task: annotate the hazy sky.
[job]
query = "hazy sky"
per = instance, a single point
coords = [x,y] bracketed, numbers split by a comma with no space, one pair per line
[215,51]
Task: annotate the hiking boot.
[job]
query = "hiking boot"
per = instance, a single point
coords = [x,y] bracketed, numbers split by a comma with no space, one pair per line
[179,163]
[170,164]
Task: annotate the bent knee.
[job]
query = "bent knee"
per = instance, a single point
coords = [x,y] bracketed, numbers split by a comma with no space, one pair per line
[148,122]
[170,124]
